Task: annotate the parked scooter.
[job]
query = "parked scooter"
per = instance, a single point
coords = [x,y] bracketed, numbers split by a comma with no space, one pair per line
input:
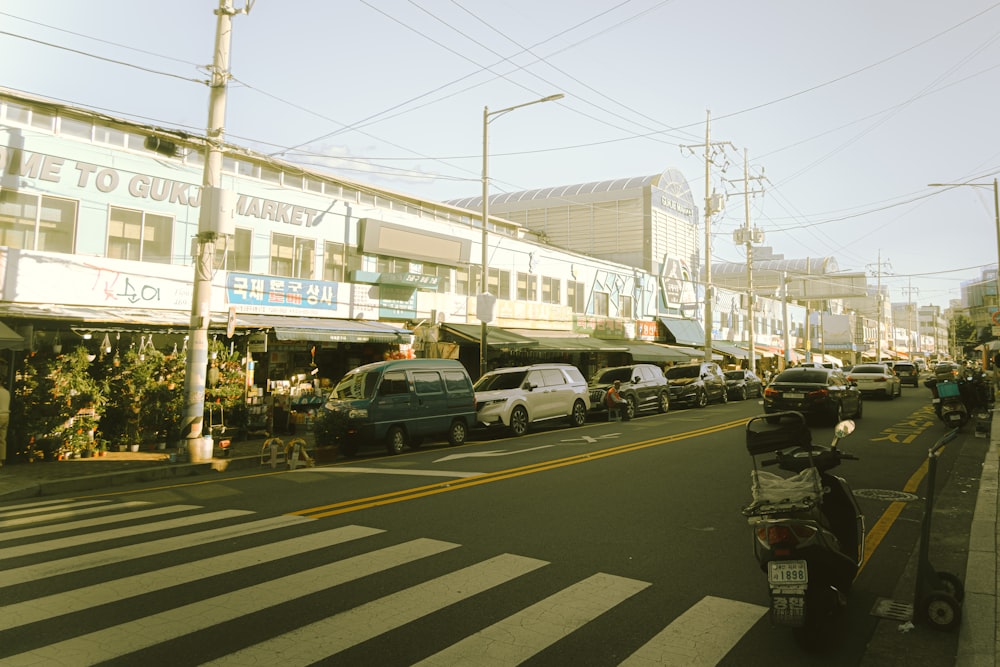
[958,393]
[808,531]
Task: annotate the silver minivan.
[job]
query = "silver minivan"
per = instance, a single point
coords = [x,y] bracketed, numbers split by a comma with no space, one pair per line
[519,396]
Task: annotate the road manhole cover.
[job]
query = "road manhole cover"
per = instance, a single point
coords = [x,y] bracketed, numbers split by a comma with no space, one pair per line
[886,495]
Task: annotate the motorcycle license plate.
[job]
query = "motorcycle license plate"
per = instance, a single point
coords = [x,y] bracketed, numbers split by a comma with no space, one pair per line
[955,417]
[781,572]
[935,400]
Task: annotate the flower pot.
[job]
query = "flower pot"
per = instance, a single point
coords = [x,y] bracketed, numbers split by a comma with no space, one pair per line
[122,448]
[133,448]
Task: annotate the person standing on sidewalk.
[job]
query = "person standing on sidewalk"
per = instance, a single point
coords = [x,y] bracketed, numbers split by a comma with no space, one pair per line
[4,422]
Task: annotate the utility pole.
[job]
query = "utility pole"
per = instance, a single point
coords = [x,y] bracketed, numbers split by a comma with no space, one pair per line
[914,337]
[748,235]
[214,220]
[878,301]
[713,204]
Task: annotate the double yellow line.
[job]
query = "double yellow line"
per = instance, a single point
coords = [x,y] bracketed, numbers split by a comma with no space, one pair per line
[455,485]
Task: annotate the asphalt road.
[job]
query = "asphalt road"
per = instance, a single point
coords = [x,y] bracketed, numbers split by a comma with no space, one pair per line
[595,545]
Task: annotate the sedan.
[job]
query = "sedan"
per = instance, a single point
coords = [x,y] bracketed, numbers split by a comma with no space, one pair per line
[876,379]
[819,392]
[743,384]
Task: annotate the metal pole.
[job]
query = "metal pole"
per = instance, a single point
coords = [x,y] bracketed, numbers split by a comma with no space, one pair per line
[204,255]
[996,214]
[483,282]
[749,246]
[708,243]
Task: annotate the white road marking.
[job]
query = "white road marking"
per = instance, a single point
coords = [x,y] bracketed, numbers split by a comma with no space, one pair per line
[497,452]
[700,637]
[530,631]
[319,640]
[395,471]
[119,640]
[590,439]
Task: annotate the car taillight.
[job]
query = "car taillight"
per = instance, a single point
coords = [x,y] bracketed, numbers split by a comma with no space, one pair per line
[881,379]
[771,392]
[819,393]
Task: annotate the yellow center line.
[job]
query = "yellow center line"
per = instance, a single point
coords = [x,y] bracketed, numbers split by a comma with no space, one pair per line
[453,485]
[891,513]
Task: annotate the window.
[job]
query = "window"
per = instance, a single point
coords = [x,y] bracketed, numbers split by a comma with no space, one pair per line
[334,262]
[75,127]
[291,256]
[551,290]
[272,175]
[235,252]
[393,382]
[527,287]
[601,301]
[28,225]
[463,283]
[575,296]
[139,236]
[624,306]
[427,382]
[392,265]
[109,135]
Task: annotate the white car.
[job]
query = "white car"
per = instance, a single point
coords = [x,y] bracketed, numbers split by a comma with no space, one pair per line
[518,397]
[876,379]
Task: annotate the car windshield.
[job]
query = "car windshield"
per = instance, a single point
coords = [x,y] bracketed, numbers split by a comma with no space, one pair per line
[356,385]
[678,372]
[609,375]
[802,375]
[734,375]
[495,381]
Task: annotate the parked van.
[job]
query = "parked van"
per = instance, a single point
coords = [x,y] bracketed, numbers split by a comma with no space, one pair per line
[400,402]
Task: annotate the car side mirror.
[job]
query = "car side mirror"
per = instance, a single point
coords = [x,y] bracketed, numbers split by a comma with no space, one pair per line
[636,380]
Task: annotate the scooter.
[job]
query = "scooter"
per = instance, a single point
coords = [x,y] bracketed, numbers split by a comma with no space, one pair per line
[948,402]
[808,531]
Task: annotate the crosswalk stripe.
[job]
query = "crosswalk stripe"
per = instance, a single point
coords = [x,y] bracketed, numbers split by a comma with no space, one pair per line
[78,563]
[329,636]
[148,631]
[50,606]
[91,523]
[130,531]
[49,506]
[528,632]
[700,637]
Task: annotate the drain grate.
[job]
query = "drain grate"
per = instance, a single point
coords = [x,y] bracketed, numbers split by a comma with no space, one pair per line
[892,609]
[887,495]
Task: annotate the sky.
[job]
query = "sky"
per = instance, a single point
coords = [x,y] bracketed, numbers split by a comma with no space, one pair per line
[845,112]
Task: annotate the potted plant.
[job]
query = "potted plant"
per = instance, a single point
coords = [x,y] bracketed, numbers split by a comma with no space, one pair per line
[329,431]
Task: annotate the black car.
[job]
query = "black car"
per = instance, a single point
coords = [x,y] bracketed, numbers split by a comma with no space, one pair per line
[643,386]
[743,384]
[697,384]
[823,393]
[907,372]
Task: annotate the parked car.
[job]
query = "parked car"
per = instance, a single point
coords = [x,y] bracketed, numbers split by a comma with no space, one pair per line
[520,396]
[401,401]
[697,384]
[643,386]
[823,393]
[876,379]
[743,384]
[907,372]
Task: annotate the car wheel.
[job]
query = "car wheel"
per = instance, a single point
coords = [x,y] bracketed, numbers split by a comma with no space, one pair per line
[457,433]
[838,413]
[702,399]
[663,404]
[578,417]
[725,397]
[395,440]
[744,395]
[632,408]
[519,420]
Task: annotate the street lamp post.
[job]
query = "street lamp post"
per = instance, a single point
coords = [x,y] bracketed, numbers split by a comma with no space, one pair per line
[996,215]
[482,308]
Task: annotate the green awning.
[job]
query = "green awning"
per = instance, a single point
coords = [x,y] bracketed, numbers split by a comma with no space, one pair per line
[325,330]
[731,350]
[656,354]
[566,341]
[684,331]
[495,336]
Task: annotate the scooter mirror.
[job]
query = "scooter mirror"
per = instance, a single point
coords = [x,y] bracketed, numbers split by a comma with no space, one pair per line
[844,428]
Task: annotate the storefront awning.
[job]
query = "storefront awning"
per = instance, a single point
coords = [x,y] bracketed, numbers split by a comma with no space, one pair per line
[109,318]
[656,354]
[567,341]
[684,331]
[326,330]
[692,353]
[10,339]
[495,336]
[731,350]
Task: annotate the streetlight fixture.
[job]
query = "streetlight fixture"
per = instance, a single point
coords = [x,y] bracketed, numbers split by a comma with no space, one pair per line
[996,214]
[484,306]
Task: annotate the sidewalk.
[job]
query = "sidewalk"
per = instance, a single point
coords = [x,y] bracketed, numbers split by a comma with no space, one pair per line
[47,478]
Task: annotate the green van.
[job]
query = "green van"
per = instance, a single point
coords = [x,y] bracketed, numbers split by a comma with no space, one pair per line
[401,402]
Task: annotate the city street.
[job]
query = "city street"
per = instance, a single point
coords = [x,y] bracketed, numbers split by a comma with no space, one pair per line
[607,544]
